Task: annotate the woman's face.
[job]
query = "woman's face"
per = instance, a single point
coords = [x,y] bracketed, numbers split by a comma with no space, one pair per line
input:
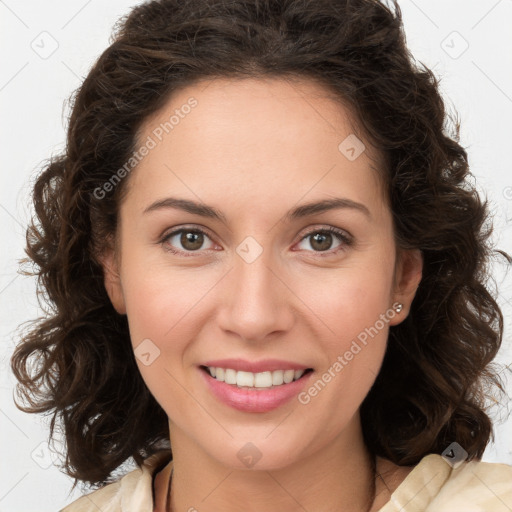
[265,280]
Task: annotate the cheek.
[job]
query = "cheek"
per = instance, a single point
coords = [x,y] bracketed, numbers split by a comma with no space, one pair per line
[159,307]
[165,310]
[348,300]
[354,307]
[160,301]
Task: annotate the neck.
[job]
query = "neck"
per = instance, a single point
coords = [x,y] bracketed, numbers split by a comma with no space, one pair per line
[340,477]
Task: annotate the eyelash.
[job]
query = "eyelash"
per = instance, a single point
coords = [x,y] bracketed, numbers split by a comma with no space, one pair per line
[342,236]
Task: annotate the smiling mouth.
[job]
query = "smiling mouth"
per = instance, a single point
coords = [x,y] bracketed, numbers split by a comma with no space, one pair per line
[258,381]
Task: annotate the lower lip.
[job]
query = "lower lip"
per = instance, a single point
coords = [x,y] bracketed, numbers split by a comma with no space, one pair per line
[254,400]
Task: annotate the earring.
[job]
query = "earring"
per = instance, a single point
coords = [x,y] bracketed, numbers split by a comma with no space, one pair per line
[398,308]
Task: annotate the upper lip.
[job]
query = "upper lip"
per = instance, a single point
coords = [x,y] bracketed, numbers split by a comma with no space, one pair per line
[265,365]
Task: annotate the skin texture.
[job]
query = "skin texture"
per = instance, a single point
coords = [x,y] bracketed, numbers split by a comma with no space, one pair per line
[254,149]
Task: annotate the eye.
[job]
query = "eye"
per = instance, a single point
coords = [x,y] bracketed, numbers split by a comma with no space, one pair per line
[193,239]
[321,240]
[190,239]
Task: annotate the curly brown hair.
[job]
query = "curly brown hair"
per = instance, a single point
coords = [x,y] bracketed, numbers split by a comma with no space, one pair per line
[432,386]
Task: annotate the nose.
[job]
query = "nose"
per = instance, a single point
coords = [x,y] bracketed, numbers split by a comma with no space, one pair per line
[258,302]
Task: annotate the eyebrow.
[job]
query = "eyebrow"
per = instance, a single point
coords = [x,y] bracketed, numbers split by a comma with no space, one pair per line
[299,212]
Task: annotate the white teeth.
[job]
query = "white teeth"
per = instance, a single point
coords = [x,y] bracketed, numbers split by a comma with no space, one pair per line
[229,376]
[255,380]
[277,378]
[288,376]
[298,374]
[219,374]
[263,380]
[244,379]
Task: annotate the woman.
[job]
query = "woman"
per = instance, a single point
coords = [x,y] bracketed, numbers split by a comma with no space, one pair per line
[262,251]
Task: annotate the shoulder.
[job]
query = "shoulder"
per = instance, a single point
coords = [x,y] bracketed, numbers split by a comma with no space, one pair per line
[131,493]
[435,486]
[476,486]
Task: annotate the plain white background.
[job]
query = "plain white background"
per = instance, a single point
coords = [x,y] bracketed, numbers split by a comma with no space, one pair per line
[47,49]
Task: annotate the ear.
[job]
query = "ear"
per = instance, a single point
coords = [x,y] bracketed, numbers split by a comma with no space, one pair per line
[408,275]
[112,280]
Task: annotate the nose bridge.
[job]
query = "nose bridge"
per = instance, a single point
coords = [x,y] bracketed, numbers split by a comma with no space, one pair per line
[256,300]
[252,268]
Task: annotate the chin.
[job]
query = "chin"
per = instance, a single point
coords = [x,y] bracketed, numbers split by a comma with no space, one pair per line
[258,455]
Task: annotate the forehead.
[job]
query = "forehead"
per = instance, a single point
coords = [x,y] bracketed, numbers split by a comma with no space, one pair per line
[257,137]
